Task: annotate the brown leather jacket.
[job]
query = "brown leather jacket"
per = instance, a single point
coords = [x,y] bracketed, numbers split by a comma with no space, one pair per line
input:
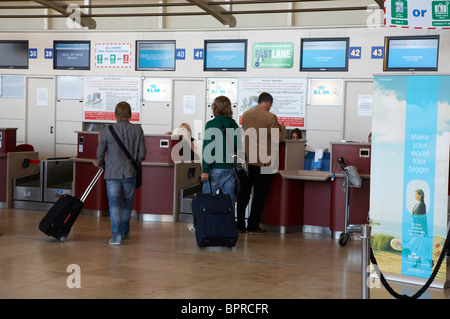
[260,128]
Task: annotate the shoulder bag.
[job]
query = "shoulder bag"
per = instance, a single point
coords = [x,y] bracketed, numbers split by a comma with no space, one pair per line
[240,168]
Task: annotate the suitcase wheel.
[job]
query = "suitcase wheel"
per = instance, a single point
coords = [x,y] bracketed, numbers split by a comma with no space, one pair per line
[63,239]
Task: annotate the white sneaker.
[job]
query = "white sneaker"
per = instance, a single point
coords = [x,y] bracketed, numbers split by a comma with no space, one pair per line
[191,227]
[114,243]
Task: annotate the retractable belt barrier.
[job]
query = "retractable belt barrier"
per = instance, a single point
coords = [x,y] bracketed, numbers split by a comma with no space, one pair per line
[445,251]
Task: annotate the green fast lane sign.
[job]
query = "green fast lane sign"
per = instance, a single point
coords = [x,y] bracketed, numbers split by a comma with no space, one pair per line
[273,55]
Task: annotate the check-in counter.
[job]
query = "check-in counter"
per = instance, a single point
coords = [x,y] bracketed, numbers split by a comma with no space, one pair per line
[314,201]
[85,169]
[315,206]
[8,137]
[164,174]
[283,208]
[358,155]
[7,144]
[4,181]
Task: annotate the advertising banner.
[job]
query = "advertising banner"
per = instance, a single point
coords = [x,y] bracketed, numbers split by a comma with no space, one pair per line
[417,14]
[409,171]
[101,95]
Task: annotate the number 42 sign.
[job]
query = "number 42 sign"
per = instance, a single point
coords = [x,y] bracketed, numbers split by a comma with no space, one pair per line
[355,53]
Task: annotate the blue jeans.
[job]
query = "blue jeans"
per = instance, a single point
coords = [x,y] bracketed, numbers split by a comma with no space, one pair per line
[221,178]
[120,218]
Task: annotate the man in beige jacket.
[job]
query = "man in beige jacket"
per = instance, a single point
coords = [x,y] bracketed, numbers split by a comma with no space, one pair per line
[262,133]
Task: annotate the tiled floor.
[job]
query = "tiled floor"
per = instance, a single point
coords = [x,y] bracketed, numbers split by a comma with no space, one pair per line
[162,261]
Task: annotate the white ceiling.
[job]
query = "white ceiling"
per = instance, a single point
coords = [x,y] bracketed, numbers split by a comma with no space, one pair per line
[224,11]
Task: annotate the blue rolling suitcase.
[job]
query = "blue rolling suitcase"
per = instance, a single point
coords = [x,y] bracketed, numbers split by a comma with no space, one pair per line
[214,220]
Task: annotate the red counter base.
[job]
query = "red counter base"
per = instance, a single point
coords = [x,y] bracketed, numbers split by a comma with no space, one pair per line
[155,198]
[298,205]
[283,210]
[359,204]
[97,201]
[4,182]
[316,207]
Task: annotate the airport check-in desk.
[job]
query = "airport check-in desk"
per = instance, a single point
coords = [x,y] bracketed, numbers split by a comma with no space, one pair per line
[7,145]
[53,178]
[28,182]
[314,201]
[163,176]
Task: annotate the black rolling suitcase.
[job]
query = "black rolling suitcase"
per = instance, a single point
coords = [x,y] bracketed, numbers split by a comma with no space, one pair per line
[62,215]
[214,220]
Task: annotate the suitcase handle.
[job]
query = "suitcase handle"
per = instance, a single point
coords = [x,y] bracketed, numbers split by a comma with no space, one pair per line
[210,186]
[91,185]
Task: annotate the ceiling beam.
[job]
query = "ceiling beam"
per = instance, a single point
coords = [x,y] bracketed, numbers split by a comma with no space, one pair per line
[380,3]
[61,7]
[216,11]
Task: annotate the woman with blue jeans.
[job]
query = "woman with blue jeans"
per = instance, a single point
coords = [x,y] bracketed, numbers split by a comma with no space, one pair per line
[120,174]
[221,135]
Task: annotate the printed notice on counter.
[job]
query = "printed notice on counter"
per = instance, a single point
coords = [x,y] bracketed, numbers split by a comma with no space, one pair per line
[101,95]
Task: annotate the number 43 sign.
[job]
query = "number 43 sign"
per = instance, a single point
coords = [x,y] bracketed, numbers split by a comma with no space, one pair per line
[377,52]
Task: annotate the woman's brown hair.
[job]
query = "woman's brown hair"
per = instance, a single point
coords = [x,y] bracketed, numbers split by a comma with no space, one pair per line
[222,106]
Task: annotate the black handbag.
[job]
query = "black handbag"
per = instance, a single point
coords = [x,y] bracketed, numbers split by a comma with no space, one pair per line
[135,163]
[240,167]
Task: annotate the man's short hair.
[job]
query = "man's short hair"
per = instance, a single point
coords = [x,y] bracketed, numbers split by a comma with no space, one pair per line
[123,111]
[265,97]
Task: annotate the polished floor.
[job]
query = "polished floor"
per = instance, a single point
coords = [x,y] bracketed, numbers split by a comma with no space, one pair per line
[162,261]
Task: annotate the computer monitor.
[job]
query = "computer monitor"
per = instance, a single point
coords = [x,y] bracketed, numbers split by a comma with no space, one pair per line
[324,54]
[72,55]
[411,53]
[155,55]
[14,54]
[225,55]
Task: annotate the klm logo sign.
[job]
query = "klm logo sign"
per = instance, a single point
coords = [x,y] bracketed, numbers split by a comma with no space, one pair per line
[218,91]
[153,89]
[321,90]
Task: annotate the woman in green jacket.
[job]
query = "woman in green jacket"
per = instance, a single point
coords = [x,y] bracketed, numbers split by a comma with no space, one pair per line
[219,144]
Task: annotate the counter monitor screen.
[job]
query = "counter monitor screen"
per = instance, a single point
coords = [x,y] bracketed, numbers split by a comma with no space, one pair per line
[330,54]
[225,55]
[14,54]
[155,55]
[412,53]
[72,55]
